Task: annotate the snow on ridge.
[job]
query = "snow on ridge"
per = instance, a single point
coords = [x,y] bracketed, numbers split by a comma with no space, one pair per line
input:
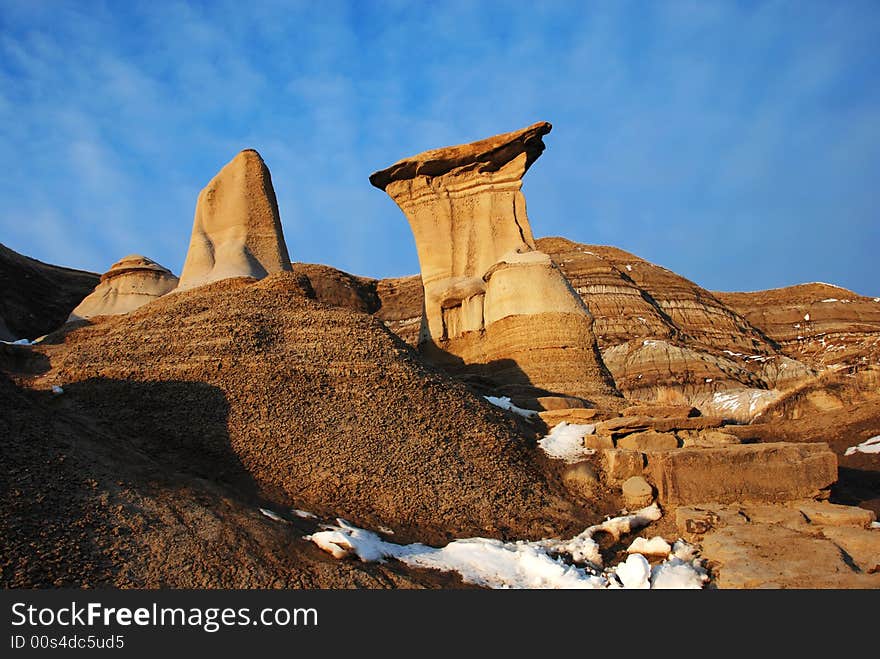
[521,564]
[272,515]
[566,441]
[504,403]
[19,342]
[871,445]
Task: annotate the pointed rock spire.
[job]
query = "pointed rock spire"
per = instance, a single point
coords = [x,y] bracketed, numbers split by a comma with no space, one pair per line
[237,228]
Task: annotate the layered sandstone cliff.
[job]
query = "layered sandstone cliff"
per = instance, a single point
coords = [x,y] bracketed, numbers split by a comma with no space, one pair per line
[494,305]
[130,283]
[237,228]
[665,339]
[818,324]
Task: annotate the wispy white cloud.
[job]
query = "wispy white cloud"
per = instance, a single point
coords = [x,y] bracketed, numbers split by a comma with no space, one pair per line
[719,139]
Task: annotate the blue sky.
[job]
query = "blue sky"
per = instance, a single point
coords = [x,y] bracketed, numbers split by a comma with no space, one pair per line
[737,143]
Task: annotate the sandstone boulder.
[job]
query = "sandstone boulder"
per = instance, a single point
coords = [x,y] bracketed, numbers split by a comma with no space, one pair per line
[237,228]
[773,556]
[773,472]
[130,283]
[637,492]
[706,438]
[572,415]
[829,514]
[493,304]
[625,425]
[620,464]
[776,546]
[648,440]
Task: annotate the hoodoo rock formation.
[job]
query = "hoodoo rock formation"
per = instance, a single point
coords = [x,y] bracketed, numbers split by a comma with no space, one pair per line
[237,227]
[494,306]
[129,283]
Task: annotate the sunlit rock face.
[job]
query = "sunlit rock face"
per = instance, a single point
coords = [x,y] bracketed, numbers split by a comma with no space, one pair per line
[494,305]
[129,284]
[237,227]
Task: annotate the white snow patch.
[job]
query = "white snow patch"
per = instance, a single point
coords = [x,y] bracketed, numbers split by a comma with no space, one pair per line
[830,299]
[877,299]
[583,549]
[875,525]
[683,550]
[629,268]
[868,446]
[519,564]
[57,390]
[272,515]
[678,574]
[504,403]
[566,441]
[708,380]
[656,546]
[304,514]
[19,342]
[634,573]
[806,316]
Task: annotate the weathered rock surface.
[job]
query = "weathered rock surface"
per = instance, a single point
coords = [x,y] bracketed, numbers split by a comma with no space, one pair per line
[340,289]
[818,324]
[401,302]
[494,305]
[237,228]
[637,492]
[36,298]
[706,438]
[760,472]
[83,506]
[320,407]
[648,440]
[620,464]
[581,479]
[773,556]
[777,546]
[626,425]
[665,339]
[130,283]
[571,415]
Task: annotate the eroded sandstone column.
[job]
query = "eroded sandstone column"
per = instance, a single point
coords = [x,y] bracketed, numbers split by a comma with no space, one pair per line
[237,228]
[494,305]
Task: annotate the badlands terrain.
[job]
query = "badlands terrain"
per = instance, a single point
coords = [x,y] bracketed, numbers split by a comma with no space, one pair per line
[524,412]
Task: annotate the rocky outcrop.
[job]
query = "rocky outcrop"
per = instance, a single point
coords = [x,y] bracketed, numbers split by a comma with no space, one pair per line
[237,227]
[36,298]
[129,283]
[320,407]
[800,544]
[340,289]
[401,303]
[667,340]
[494,305]
[818,324]
[760,472]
